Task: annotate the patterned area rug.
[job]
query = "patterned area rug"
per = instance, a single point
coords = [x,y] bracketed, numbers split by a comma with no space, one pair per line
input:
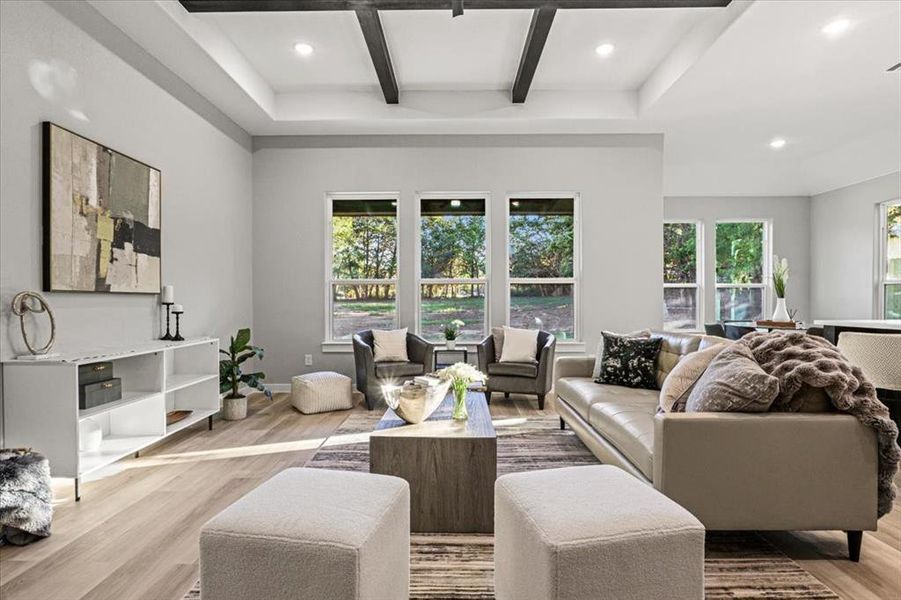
[444,566]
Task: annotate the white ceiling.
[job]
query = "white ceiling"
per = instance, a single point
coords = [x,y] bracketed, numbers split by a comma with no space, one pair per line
[719,83]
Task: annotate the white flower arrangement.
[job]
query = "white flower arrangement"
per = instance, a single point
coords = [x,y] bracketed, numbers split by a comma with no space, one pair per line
[461,373]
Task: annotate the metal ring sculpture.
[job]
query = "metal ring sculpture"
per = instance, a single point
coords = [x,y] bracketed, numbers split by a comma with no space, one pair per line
[24,303]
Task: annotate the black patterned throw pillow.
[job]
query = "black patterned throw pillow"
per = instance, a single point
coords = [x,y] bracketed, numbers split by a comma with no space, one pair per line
[630,361]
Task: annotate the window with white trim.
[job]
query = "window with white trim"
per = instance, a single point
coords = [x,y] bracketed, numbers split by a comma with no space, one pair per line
[362,264]
[682,276]
[890,260]
[543,259]
[742,270]
[453,266]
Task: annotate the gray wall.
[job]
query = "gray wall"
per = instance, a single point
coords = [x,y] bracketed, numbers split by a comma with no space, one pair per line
[843,242]
[206,179]
[790,217]
[619,178]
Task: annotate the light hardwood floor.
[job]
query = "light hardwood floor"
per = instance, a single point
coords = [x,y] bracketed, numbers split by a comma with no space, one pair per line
[135,533]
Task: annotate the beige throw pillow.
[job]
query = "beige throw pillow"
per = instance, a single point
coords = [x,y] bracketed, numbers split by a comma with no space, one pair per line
[682,379]
[733,382]
[391,345]
[520,345]
[599,353]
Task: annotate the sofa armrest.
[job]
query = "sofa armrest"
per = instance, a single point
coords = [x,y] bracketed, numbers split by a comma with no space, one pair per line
[422,351]
[545,365]
[364,363]
[485,353]
[768,471]
[573,366]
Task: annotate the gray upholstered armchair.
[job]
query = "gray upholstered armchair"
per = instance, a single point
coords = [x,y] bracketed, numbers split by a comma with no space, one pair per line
[517,377]
[371,375]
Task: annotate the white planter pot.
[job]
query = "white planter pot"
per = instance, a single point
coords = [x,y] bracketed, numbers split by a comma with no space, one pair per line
[450,344]
[781,314]
[234,409]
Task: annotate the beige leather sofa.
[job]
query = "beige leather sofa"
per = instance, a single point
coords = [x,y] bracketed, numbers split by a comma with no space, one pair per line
[733,471]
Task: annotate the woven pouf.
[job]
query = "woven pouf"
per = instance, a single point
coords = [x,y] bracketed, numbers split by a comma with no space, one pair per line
[593,532]
[311,533]
[321,392]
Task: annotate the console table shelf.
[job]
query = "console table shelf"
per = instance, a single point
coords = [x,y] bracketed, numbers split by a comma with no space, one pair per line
[41,402]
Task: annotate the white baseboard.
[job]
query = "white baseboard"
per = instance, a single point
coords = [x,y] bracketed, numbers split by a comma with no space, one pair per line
[279,387]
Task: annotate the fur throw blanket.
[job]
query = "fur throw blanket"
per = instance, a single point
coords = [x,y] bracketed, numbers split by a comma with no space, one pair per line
[26,500]
[801,362]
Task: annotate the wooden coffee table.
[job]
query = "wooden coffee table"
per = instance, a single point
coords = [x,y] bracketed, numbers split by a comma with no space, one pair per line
[450,466]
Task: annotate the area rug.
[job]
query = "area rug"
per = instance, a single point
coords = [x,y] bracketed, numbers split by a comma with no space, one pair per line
[445,566]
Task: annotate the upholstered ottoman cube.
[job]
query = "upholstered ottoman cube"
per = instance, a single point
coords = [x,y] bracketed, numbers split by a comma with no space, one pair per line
[321,392]
[592,532]
[311,533]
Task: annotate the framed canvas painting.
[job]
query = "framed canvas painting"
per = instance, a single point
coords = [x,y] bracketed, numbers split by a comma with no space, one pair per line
[102,217]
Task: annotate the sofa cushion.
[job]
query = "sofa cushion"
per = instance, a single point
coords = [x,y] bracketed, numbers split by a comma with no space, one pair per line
[682,379]
[674,347]
[514,369]
[390,345]
[599,353]
[733,382]
[627,422]
[385,370]
[630,361]
[582,392]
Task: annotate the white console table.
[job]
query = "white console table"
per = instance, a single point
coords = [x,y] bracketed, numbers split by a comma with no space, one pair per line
[41,401]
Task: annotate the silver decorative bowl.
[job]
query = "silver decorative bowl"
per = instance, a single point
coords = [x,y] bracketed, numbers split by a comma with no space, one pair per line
[415,403]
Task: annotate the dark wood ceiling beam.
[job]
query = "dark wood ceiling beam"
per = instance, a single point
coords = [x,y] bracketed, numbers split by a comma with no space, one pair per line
[539,28]
[316,5]
[378,51]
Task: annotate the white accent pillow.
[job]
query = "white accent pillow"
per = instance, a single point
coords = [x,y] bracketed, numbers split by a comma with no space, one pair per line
[520,345]
[391,345]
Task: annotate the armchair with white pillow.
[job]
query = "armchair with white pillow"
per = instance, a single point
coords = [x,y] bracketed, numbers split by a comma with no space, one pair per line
[389,357]
[518,361]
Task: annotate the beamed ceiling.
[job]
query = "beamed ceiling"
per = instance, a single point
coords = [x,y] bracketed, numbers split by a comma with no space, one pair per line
[367,12]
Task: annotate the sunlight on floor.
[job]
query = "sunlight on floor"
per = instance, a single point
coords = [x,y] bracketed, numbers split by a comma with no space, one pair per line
[512,422]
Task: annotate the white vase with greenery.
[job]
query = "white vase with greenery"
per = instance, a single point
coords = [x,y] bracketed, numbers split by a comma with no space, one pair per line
[451,333]
[780,277]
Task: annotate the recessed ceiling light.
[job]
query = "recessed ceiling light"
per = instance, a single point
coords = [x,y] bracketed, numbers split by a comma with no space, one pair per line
[777,143]
[455,203]
[836,27]
[604,49]
[303,49]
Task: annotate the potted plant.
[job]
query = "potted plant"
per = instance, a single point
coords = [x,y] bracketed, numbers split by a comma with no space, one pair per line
[460,375]
[452,332]
[780,277]
[231,378]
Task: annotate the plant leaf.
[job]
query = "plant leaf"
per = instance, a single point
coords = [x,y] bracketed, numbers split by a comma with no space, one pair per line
[241,340]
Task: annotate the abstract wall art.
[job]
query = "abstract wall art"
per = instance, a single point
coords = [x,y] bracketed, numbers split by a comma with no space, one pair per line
[102,219]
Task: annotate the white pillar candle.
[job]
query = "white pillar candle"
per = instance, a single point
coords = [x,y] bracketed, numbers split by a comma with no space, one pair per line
[177,308]
[168,294]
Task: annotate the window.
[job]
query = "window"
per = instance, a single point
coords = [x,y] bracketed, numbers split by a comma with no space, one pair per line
[543,265]
[681,276]
[452,266]
[742,270]
[890,259]
[362,264]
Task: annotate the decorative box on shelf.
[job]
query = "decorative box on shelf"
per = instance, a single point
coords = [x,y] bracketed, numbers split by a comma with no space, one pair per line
[43,409]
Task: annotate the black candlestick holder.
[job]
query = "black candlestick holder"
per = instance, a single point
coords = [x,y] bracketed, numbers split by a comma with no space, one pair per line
[177,337]
[168,306]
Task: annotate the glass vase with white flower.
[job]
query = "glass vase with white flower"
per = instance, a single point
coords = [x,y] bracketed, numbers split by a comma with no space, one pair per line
[461,375]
